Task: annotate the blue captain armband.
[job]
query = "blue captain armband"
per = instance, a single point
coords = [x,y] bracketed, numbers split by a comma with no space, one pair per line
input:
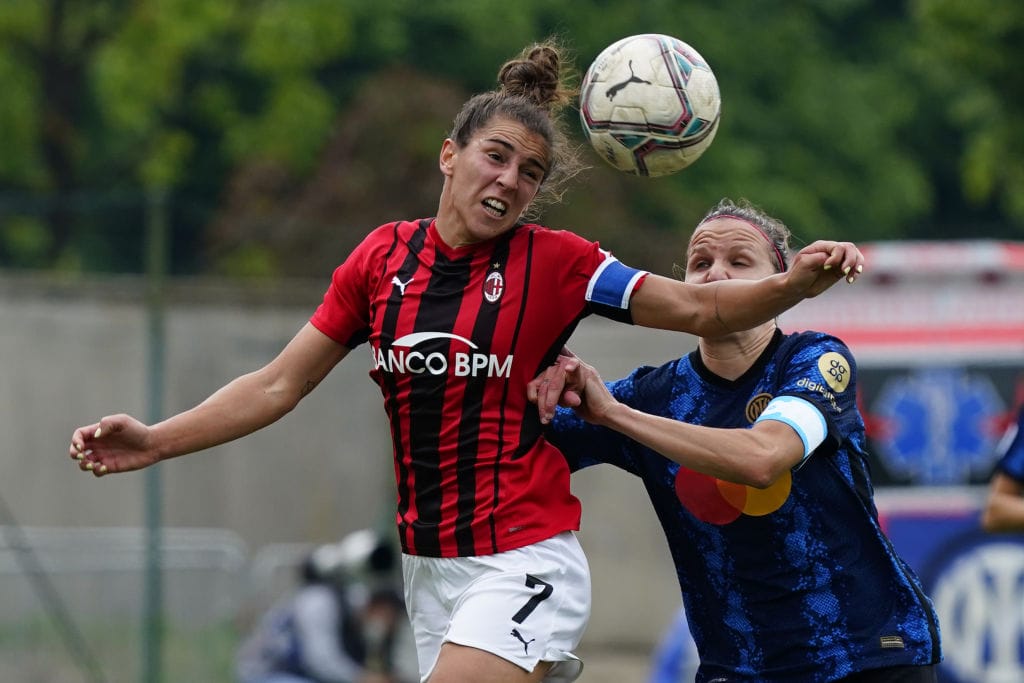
[802,416]
[612,284]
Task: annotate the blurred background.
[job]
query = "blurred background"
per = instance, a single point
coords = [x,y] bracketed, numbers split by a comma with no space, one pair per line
[178,179]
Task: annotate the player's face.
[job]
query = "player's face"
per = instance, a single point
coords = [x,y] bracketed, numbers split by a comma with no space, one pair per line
[728,249]
[490,182]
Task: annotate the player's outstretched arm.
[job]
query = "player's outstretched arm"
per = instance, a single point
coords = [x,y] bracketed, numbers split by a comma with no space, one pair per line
[1004,506]
[121,443]
[734,305]
[754,457]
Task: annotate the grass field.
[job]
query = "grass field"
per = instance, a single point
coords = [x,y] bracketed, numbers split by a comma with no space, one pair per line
[35,653]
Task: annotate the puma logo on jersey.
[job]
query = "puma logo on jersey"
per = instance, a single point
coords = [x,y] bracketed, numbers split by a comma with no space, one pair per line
[526,643]
[401,285]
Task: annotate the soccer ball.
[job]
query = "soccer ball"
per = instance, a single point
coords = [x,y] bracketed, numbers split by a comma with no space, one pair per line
[649,104]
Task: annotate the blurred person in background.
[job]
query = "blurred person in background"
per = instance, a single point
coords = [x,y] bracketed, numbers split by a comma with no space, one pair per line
[752,451]
[345,623]
[460,312]
[1004,505]
[675,658]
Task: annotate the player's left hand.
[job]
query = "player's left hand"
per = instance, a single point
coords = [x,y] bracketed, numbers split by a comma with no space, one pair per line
[555,386]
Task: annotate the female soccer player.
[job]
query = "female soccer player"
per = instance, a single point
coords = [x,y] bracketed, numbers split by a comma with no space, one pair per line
[460,311]
[751,449]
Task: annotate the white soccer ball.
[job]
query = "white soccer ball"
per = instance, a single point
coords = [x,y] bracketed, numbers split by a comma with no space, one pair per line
[649,104]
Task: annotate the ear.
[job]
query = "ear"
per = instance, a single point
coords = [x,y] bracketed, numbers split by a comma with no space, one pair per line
[447,159]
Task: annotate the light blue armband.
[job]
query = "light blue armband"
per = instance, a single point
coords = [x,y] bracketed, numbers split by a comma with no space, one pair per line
[803,416]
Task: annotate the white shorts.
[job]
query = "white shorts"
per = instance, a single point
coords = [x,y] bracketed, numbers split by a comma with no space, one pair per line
[525,605]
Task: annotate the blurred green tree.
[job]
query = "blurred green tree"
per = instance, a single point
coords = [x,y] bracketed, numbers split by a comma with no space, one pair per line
[970,57]
[284,131]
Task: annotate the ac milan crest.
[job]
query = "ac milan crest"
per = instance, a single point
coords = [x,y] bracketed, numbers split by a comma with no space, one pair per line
[494,286]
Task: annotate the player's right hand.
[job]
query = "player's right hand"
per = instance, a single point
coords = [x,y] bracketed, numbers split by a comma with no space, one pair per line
[117,443]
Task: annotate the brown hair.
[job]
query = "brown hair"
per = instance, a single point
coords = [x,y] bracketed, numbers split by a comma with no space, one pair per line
[534,89]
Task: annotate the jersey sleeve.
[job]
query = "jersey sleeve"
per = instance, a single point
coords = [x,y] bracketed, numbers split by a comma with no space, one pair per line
[584,444]
[818,393]
[611,288]
[579,265]
[344,313]
[1010,450]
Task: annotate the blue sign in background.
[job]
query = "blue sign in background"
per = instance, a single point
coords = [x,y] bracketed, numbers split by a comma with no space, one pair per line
[937,426]
[975,580]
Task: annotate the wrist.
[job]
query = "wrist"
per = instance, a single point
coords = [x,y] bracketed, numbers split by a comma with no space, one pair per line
[744,304]
[787,288]
[615,416]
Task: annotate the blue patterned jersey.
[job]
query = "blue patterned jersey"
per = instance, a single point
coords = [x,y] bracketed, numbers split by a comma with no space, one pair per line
[1011,450]
[796,582]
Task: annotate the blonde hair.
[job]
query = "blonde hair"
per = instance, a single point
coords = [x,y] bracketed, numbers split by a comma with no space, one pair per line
[774,230]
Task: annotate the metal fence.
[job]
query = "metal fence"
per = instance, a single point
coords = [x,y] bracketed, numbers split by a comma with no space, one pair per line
[71,603]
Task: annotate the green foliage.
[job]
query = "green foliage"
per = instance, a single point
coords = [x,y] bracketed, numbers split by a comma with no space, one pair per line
[25,239]
[972,53]
[248,261]
[280,125]
[291,38]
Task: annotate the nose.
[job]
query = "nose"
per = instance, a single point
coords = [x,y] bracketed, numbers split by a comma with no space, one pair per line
[509,177]
[716,272]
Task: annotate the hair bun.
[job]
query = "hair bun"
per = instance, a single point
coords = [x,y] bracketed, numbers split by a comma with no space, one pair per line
[536,75]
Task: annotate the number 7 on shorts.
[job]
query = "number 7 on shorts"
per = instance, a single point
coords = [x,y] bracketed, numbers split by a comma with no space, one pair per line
[531,604]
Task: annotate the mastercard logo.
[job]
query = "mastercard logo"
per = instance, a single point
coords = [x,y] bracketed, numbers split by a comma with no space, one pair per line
[720,502]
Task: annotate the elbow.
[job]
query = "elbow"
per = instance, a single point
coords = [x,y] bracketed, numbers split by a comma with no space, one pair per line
[769,452]
[280,396]
[766,468]
[283,403]
[757,473]
[763,477]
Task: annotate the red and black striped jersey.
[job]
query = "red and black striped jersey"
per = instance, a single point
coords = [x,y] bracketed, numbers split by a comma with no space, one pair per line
[455,335]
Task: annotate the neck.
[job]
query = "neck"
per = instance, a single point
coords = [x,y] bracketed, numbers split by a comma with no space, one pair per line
[731,355]
[445,220]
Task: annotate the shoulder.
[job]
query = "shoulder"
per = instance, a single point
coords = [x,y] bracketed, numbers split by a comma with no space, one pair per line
[646,383]
[820,365]
[814,339]
[562,256]
[566,238]
[401,229]
[811,345]
[315,601]
[384,238]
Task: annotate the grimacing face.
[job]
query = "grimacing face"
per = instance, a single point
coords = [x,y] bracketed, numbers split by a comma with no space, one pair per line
[490,181]
[727,248]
